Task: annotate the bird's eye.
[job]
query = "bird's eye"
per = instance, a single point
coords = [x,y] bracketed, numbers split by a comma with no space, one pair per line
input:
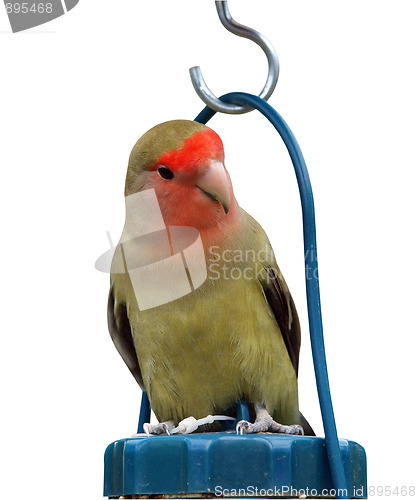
[165,172]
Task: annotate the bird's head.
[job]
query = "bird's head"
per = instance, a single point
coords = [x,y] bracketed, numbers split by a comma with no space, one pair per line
[183,161]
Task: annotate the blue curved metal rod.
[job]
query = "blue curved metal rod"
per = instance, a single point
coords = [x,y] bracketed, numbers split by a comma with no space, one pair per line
[311,275]
[145,412]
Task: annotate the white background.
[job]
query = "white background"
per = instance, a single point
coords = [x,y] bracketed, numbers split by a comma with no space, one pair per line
[75,96]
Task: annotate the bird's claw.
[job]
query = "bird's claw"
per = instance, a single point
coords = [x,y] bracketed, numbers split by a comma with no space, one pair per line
[245,427]
[294,429]
[162,428]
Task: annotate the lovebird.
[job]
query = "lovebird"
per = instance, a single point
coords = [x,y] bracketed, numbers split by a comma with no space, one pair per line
[198,308]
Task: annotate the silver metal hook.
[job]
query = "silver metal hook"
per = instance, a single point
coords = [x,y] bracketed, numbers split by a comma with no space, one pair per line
[231,25]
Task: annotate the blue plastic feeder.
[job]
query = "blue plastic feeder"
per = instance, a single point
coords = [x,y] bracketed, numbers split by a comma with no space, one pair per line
[225,464]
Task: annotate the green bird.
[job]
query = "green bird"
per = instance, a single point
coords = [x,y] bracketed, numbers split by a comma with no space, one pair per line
[198,308]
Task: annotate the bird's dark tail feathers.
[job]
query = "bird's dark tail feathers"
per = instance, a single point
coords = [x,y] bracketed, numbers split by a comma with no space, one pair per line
[308,431]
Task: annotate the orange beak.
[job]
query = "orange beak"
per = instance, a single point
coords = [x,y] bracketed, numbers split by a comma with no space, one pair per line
[215,183]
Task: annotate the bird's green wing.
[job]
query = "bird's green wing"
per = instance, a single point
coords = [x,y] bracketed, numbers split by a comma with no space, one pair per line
[279,299]
[121,334]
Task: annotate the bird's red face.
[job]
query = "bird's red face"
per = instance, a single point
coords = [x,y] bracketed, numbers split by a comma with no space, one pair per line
[191,183]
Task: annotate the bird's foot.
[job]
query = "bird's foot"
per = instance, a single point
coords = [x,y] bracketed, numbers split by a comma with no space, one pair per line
[265,423]
[162,428]
[245,427]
